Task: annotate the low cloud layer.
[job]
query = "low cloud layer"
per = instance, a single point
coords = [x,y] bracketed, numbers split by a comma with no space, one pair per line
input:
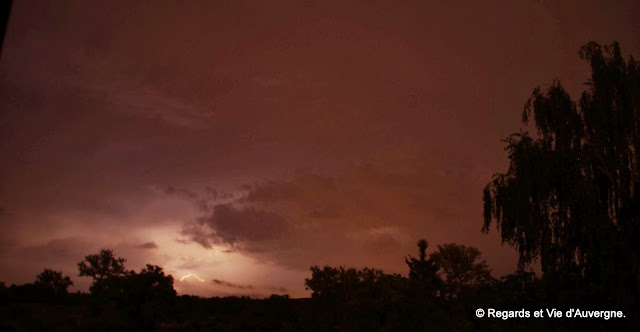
[148,245]
[231,285]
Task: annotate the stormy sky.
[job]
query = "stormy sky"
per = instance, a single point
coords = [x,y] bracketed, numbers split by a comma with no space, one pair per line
[237,143]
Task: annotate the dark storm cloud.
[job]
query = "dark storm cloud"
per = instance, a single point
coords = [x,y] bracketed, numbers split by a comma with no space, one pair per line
[319,206]
[148,245]
[199,233]
[278,289]
[366,213]
[183,241]
[231,285]
[245,224]
[249,287]
[230,225]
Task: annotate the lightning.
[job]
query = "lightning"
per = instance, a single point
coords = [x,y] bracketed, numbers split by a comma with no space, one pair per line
[191,275]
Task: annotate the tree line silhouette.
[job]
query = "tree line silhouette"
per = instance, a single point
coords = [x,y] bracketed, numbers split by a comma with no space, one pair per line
[342,298]
[441,292]
[569,202]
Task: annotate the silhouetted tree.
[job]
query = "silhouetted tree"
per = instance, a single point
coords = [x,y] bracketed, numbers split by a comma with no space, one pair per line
[5,10]
[422,269]
[421,296]
[570,196]
[520,288]
[101,266]
[332,283]
[378,295]
[53,282]
[142,297]
[152,283]
[460,266]
[355,299]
